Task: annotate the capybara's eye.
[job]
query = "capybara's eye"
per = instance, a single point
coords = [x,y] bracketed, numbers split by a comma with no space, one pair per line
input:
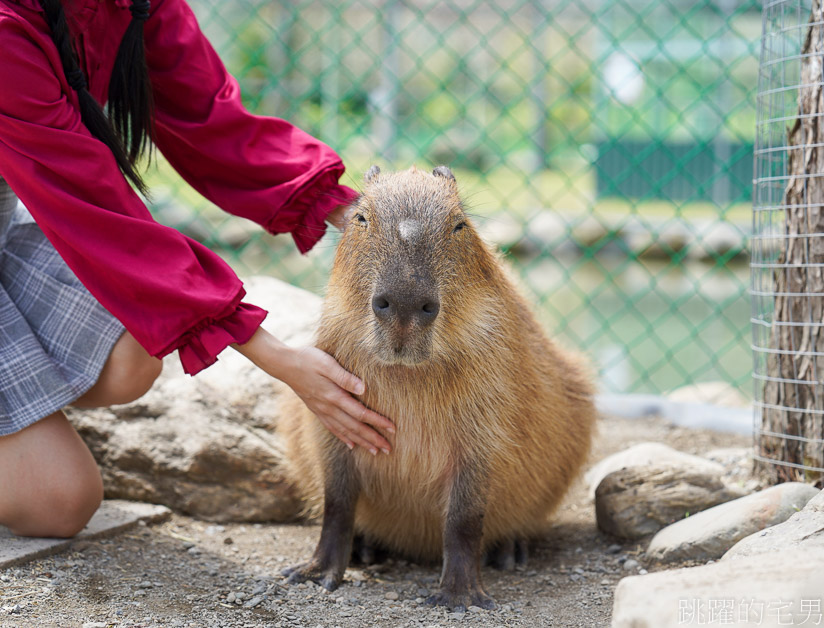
[458,227]
[361,219]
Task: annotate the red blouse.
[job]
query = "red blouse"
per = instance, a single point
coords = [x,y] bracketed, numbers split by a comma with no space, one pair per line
[169,291]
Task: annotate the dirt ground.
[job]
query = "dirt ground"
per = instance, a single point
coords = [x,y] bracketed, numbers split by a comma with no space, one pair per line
[191,573]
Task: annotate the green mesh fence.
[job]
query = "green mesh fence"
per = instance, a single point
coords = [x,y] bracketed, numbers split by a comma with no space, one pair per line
[605,146]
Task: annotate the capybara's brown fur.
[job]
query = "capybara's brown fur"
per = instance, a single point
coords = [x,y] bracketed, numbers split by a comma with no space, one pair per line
[491,416]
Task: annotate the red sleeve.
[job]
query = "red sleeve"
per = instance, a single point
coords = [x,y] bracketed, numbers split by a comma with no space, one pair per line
[260,168]
[170,292]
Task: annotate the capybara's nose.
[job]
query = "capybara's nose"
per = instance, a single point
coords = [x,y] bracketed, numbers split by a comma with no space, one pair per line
[393,307]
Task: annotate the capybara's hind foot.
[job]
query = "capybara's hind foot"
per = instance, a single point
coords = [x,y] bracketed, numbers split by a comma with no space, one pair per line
[328,578]
[366,552]
[508,554]
[460,601]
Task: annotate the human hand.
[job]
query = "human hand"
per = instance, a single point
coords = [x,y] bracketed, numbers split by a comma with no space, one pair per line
[337,217]
[324,386]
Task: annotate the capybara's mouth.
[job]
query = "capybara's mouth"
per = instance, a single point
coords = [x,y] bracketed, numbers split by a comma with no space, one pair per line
[402,347]
[406,353]
[403,355]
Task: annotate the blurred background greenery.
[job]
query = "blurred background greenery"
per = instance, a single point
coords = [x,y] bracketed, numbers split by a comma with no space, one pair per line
[605,146]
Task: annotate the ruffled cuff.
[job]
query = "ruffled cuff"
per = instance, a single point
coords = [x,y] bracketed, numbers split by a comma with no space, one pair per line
[310,209]
[200,347]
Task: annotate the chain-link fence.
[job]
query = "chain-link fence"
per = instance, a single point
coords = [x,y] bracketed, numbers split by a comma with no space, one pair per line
[605,145]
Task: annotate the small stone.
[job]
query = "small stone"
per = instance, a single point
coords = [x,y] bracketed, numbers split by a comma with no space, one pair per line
[94,624]
[145,585]
[643,572]
[630,564]
[356,574]
[260,589]
[230,598]
[422,592]
[605,582]
[475,609]
[614,549]
[391,595]
[228,540]
[456,615]
[253,602]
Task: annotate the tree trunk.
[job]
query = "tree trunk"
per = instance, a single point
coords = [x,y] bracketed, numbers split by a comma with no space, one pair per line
[794,396]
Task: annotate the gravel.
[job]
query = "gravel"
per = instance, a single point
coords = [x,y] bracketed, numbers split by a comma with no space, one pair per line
[183,573]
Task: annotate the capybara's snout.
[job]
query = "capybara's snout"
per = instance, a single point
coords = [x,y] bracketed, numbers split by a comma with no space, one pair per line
[405,307]
[404,311]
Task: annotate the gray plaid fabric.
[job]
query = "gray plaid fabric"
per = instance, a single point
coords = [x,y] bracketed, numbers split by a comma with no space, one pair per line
[54,336]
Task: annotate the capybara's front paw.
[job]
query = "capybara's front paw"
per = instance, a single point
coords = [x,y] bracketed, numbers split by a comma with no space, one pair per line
[461,600]
[328,578]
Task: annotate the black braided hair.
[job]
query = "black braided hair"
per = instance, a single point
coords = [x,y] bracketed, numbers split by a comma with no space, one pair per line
[125,146]
[131,106]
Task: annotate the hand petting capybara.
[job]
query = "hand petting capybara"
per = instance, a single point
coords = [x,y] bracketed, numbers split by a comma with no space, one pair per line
[493,421]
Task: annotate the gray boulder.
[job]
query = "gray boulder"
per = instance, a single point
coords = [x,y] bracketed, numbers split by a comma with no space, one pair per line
[645,454]
[775,589]
[205,445]
[803,530]
[709,534]
[640,500]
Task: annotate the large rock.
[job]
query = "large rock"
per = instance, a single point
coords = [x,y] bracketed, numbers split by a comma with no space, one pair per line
[640,500]
[709,534]
[205,445]
[776,589]
[645,454]
[804,529]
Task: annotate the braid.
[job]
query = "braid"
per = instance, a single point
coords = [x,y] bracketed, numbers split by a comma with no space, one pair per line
[130,91]
[91,113]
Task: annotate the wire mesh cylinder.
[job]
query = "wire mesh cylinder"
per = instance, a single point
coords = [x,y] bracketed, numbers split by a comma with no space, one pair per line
[788,244]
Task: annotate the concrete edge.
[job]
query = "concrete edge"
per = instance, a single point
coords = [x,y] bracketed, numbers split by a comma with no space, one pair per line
[104,523]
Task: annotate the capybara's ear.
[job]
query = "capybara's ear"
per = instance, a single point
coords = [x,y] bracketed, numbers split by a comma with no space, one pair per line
[371,174]
[445,172]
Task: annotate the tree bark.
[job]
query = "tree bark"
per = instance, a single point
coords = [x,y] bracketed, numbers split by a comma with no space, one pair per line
[794,396]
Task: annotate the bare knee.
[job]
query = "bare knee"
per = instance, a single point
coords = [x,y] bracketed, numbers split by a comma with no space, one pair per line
[54,485]
[127,375]
[63,510]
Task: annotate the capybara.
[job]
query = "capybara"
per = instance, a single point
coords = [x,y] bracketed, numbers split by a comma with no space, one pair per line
[493,421]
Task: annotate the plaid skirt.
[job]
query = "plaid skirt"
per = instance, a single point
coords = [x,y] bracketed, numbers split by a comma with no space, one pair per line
[54,335]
